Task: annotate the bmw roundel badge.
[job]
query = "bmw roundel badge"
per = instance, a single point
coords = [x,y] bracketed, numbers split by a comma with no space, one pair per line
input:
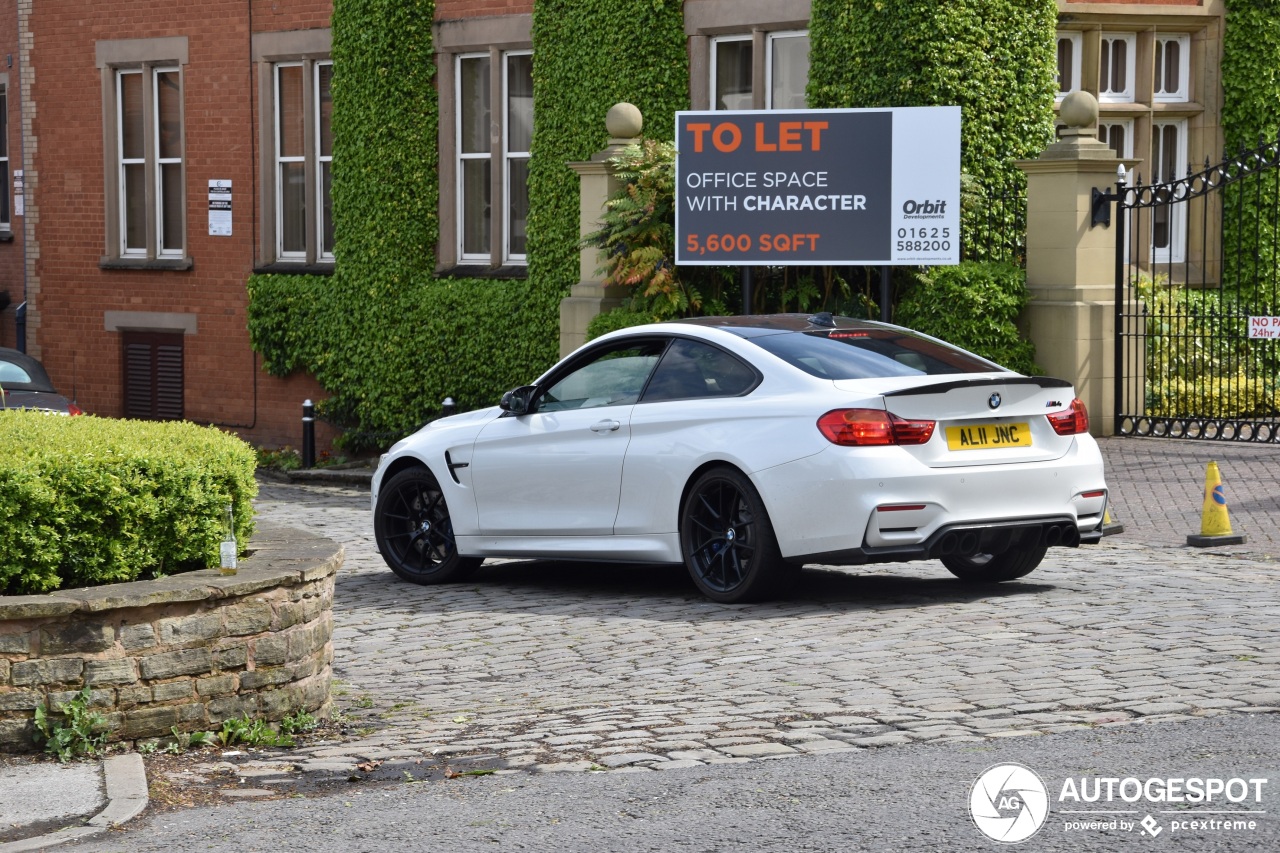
[994,402]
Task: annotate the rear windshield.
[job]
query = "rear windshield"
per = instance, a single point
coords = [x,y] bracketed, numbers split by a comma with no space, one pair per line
[869,354]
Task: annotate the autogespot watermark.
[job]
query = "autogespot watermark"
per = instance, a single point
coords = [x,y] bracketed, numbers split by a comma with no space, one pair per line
[1010,803]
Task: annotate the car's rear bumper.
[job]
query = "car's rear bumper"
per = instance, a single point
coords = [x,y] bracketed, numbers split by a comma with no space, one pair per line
[968,538]
[879,504]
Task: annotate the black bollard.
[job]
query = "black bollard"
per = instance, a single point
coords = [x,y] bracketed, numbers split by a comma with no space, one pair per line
[448,407]
[308,434]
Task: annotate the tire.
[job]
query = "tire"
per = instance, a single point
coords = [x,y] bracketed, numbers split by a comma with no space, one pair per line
[1018,561]
[414,533]
[728,542]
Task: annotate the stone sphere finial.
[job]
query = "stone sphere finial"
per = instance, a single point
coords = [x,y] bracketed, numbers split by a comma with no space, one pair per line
[624,121]
[1079,109]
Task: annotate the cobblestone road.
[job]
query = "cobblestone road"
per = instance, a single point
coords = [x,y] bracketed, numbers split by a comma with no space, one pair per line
[571,666]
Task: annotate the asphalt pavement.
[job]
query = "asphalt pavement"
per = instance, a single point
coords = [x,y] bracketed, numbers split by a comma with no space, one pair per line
[579,717]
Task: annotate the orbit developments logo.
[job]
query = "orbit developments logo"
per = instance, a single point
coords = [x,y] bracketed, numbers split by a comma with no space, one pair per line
[929,209]
[1009,803]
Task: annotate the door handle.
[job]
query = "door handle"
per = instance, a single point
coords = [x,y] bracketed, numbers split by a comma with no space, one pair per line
[606,426]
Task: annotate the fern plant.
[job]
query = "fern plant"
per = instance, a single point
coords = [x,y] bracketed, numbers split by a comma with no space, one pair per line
[637,232]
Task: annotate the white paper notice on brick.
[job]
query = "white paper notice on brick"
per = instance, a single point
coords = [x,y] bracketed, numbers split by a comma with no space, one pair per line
[219,208]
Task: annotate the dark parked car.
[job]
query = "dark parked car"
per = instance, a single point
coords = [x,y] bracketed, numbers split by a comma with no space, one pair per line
[24,384]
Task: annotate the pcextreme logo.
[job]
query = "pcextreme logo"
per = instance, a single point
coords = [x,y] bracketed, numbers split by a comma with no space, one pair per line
[1009,803]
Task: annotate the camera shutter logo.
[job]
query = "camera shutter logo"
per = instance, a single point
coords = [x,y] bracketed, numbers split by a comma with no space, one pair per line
[1009,803]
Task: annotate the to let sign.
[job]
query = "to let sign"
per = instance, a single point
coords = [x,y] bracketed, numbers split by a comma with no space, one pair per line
[864,187]
[1264,328]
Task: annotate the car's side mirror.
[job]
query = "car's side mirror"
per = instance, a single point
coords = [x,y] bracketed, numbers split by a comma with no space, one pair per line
[518,401]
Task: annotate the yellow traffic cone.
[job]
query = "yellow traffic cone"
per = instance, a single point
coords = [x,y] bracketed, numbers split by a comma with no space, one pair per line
[1215,524]
[1110,527]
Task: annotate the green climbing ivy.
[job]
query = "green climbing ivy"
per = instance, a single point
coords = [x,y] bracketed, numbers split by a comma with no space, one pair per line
[384,335]
[1250,117]
[994,58]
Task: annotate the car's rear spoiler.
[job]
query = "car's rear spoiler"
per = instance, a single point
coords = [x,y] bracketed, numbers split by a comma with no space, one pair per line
[944,387]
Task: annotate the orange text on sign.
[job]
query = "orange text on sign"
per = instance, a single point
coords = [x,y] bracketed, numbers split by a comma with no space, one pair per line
[727,136]
[696,245]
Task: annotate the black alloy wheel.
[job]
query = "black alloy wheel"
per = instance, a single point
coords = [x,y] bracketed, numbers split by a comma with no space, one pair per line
[727,540]
[414,533]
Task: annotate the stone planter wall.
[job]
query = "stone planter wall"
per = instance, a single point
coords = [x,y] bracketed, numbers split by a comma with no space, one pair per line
[187,651]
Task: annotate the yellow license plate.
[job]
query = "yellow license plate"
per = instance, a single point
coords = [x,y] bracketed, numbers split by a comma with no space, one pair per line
[989,436]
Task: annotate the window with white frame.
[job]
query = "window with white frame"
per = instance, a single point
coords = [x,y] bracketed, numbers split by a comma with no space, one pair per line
[492,170]
[149,163]
[1172,76]
[5,211]
[1168,163]
[1070,47]
[1117,61]
[731,73]
[1118,135]
[303,158]
[143,151]
[785,71]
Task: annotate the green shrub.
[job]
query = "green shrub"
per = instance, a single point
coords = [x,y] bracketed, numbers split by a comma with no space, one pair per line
[974,305]
[87,501]
[618,318]
[1199,359]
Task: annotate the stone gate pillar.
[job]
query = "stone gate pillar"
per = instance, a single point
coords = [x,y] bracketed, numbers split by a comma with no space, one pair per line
[591,296]
[1071,263]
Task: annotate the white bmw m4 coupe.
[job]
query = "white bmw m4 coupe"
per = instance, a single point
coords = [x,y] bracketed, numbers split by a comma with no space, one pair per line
[746,447]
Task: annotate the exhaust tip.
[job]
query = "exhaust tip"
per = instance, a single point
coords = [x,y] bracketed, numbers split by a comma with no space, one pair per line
[947,545]
[1052,535]
[968,544]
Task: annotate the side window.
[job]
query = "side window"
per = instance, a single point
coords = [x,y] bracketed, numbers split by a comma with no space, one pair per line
[295,71]
[779,59]
[303,155]
[486,160]
[149,162]
[615,377]
[4,157]
[1116,65]
[144,155]
[1070,46]
[691,369]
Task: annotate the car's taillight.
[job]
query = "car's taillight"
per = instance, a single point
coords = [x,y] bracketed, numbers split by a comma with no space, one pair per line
[73,409]
[872,427]
[1071,421]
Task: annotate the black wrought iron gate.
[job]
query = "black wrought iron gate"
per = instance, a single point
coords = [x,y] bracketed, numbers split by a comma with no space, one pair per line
[1197,350]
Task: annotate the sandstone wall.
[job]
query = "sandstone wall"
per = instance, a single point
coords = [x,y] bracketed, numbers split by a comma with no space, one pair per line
[186,651]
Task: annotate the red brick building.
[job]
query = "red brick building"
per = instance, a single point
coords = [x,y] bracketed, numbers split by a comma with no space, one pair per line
[133,271]
[155,154]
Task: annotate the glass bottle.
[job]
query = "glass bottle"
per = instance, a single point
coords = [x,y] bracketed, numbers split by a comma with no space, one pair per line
[228,550]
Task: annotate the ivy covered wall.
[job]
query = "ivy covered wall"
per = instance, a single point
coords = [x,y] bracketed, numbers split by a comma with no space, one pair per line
[995,58]
[389,339]
[1251,115]
[384,335]
[588,56]
[1251,73]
